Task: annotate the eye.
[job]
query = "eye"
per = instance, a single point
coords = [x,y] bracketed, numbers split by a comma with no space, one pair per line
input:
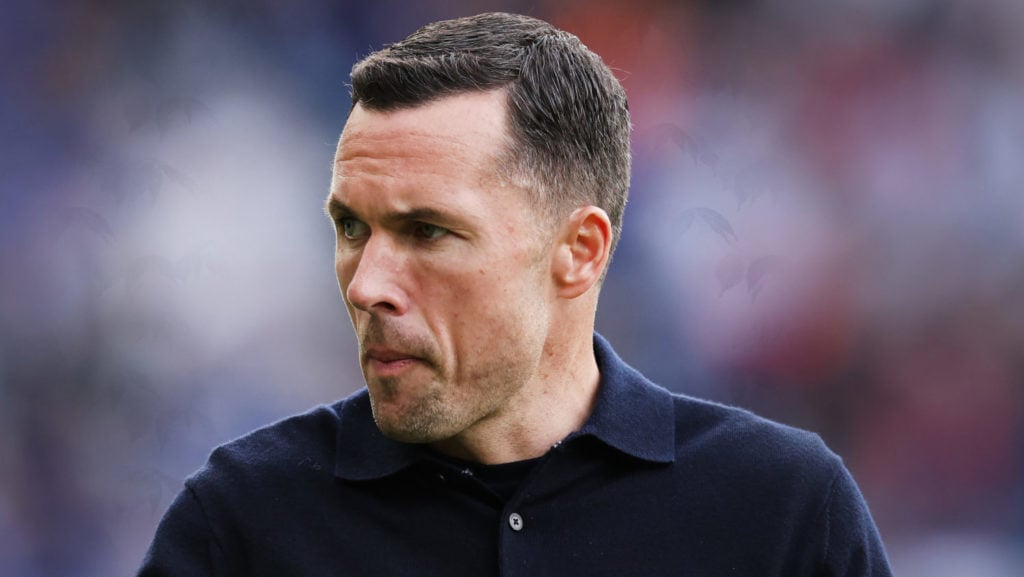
[353,229]
[430,231]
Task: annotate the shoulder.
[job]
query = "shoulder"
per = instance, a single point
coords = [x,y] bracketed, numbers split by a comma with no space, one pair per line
[288,437]
[273,453]
[738,443]
[713,438]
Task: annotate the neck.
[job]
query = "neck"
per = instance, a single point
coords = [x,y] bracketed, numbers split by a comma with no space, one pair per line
[556,402]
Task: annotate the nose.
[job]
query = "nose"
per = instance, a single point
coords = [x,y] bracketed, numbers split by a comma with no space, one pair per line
[375,284]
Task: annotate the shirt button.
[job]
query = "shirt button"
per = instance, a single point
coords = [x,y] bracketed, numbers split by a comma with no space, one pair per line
[515,520]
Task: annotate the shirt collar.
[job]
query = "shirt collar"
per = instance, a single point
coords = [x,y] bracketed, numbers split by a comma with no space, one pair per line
[630,414]
[363,452]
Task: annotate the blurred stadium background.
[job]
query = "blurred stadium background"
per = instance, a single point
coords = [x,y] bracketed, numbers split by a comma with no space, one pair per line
[826,226]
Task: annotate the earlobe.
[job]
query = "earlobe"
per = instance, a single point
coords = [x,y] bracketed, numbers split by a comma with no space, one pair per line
[583,252]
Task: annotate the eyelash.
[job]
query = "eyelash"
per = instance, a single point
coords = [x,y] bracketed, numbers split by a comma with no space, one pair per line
[341,224]
[420,230]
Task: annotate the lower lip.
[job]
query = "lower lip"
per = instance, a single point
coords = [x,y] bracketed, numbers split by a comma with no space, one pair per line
[391,368]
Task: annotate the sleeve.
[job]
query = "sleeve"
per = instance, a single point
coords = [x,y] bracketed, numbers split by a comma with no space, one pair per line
[184,543]
[853,547]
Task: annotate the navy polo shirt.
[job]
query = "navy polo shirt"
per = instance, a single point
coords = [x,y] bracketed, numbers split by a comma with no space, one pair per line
[653,484]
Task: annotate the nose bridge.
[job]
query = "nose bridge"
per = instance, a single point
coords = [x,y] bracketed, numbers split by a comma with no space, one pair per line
[374,282]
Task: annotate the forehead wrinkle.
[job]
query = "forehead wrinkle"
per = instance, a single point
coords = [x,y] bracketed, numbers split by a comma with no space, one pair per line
[423,162]
[385,156]
[384,142]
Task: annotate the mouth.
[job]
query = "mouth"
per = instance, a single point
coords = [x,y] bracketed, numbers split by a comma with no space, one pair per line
[388,362]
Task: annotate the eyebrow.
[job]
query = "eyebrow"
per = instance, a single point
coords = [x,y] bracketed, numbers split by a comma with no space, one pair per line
[336,209]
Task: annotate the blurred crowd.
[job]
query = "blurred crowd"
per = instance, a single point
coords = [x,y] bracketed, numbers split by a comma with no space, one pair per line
[826,226]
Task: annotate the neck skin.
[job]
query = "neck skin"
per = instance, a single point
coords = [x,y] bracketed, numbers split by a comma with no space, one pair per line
[555,403]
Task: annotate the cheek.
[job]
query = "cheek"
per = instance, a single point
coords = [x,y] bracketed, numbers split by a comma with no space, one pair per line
[469,306]
[344,270]
[340,268]
[490,306]
[482,303]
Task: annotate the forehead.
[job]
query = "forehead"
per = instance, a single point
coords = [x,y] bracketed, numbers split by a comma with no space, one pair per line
[464,127]
[440,157]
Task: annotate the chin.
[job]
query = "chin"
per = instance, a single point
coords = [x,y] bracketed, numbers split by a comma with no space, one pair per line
[417,437]
[407,429]
[412,419]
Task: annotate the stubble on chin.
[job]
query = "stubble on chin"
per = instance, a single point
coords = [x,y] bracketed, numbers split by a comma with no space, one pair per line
[424,422]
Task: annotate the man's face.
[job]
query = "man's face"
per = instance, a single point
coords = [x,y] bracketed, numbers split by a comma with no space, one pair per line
[445,271]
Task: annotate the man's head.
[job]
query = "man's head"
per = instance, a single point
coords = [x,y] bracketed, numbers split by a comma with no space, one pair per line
[470,240]
[568,141]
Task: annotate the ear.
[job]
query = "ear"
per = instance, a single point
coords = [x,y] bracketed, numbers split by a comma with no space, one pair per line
[583,250]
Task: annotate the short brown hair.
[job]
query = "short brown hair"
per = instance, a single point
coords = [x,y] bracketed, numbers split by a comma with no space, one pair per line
[569,117]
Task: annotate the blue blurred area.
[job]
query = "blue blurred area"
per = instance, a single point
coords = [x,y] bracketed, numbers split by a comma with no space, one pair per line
[826,226]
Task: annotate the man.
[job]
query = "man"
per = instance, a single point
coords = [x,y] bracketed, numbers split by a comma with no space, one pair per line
[477,194]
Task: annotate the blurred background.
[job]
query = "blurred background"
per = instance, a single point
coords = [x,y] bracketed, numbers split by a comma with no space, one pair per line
[826,226]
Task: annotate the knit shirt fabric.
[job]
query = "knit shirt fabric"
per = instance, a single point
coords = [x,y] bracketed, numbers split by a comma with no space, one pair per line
[653,484]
